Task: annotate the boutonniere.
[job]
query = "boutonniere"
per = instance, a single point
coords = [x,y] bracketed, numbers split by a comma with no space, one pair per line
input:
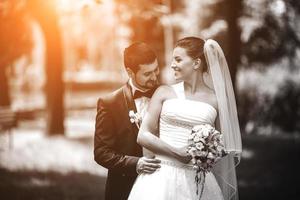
[135,118]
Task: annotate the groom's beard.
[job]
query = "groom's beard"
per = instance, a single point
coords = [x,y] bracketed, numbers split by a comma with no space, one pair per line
[148,85]
[151,84]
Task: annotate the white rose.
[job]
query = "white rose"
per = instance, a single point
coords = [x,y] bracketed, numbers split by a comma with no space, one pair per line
[221,136]
[199,146]
[195,167]
[194,161]
[205,133]
[209,128]
[203,153]
[210,156]
[131,113]
[197,138]
[198,162]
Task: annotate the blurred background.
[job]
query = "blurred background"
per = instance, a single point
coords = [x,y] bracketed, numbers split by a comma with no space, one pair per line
[58,57]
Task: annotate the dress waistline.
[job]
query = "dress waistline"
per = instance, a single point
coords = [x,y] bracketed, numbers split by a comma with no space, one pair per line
[174,163]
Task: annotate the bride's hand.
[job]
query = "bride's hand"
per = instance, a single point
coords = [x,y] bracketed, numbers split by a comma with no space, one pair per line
[182,155]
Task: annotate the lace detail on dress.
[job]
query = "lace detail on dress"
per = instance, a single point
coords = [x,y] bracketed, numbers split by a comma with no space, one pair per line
[177,164]
[178,123]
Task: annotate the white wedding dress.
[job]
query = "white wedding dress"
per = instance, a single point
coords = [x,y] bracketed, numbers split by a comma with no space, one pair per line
[175,180]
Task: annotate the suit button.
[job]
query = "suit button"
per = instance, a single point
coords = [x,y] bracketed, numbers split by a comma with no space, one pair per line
[123,175]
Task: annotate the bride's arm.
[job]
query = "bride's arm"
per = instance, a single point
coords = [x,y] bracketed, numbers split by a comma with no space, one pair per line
[147,153]
[149,130]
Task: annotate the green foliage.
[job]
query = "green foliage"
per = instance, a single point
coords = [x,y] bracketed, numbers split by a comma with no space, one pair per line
[270,94]
[278,34]
[265,113]
[284,109]
[267,42]
[144,22]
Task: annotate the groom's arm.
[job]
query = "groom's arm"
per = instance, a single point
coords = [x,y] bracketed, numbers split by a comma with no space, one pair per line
[105,153]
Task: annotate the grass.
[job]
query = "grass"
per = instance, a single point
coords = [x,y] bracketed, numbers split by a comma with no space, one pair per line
[40,167]
[31,185]
[273,171]
[269,170]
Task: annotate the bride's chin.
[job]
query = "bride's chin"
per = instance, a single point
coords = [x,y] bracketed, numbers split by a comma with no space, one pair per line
[176,77]
[178,80]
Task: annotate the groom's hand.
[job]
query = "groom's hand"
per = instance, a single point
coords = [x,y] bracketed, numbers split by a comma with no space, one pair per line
[147,165]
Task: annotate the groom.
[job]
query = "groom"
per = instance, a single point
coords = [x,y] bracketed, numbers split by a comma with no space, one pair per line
[115,146]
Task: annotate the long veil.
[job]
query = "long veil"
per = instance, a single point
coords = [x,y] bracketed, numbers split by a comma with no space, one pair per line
[224,170]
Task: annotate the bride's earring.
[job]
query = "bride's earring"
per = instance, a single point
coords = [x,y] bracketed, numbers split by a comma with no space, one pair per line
[197,64]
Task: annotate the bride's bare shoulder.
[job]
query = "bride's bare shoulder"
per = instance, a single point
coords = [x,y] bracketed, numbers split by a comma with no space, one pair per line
[165,92]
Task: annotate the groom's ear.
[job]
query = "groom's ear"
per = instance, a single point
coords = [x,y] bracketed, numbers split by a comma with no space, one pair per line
[130,72]
[197,63]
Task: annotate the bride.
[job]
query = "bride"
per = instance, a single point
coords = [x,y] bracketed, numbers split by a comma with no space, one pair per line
[174,110]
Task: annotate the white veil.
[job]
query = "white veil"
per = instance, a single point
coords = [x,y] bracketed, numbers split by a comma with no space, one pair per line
[227,112]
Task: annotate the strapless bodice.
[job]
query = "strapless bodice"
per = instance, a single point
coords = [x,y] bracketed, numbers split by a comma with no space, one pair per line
[178,116]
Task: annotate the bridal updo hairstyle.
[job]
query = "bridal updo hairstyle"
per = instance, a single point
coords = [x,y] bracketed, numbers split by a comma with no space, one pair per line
[136,54]
[194,48]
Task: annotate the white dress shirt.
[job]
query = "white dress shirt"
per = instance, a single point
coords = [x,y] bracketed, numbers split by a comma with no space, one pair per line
[141,103]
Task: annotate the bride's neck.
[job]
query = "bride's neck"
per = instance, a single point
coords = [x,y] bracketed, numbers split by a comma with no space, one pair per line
[196,83]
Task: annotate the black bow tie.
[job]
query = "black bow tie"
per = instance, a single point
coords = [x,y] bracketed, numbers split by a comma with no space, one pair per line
[138,94]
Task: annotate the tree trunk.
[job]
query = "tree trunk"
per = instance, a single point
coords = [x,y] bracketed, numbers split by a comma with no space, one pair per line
[55,86]
[4,87]
[234,34]
[45,14]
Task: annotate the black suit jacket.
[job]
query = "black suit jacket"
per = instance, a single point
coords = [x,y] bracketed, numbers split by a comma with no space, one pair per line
[115,146]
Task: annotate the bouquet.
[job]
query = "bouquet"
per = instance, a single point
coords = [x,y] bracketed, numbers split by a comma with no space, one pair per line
[206,148]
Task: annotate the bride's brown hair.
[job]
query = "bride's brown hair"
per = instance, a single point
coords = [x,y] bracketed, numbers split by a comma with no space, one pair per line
[194,47]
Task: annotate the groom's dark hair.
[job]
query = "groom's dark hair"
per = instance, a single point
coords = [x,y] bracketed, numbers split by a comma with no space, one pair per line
[136,54]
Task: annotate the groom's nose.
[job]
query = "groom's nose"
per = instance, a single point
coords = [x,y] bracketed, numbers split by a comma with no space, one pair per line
[153,77]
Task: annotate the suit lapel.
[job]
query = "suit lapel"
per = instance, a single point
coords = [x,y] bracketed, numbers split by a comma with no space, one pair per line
[130,106]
